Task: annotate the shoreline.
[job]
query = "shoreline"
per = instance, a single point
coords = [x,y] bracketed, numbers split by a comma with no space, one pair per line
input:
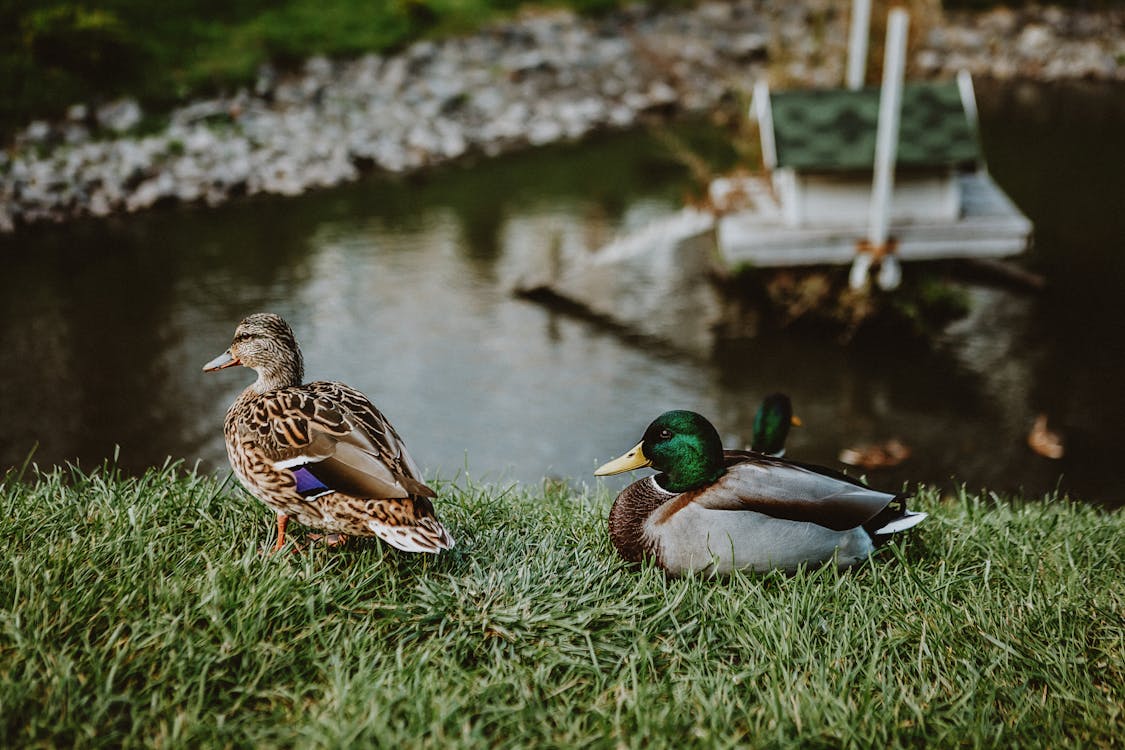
[539,79]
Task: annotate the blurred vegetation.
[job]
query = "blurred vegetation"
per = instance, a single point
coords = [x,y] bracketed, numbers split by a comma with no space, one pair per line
[819,300]
[53,54]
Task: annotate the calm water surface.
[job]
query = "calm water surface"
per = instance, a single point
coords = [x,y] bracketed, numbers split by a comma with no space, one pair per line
[401,288]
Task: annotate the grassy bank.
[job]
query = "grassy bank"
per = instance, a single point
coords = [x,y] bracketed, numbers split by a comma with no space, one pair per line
[53,54]
[141,612]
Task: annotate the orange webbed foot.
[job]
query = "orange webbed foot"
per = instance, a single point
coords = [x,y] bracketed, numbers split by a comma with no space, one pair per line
[330,540]
[282,523]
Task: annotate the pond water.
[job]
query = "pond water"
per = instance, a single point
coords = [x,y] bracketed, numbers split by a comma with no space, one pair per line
[401,287]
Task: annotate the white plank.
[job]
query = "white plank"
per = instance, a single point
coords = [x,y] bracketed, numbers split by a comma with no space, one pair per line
[990,226]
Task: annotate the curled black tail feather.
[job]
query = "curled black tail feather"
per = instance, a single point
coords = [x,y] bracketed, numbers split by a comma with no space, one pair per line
[894,517]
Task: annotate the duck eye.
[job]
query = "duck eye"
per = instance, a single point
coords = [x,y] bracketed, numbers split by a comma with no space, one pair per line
[665,434]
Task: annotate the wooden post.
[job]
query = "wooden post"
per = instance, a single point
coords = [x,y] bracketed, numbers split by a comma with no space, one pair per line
[886,137]
[857,43]
[764,114]
[968,96]
[886,140]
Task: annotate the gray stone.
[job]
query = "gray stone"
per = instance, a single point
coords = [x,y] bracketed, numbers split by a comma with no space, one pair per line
[37,132]
[151,191]
[199,140]
[202,110]
[120,115]
[74,133]
[489,101]
[319,68]
[393,75]
[749,45]
[99,204]
[1002,21]
[541,132]
[1035,41]
[265,80]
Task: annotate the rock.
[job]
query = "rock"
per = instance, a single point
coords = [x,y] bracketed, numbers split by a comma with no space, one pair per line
[207,109]
[74,133]
[282,178]
[718,14]
[394,75]
[120,115]
[265,80]
[1054,16]
[543,131]
[750,46]
[99,204]
[528,62]
[1004,68]
[421,52]
[151,191]
[320,69]
[422,139]
[1035,41]
[317,77]
[928,61]
[621,115]
[969,39]
[660,93]
[1002,21]
[37,132]
[452,143]
[489,102]
[188,192]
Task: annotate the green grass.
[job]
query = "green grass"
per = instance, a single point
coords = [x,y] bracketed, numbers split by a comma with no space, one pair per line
[140,611]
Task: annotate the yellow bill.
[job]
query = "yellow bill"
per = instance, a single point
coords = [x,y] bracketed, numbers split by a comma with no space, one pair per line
[634,459]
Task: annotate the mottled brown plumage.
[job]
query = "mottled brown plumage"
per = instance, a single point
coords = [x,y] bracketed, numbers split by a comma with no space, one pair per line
[321,452]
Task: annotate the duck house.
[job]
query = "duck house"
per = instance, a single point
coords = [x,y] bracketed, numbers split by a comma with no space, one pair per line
[868,176]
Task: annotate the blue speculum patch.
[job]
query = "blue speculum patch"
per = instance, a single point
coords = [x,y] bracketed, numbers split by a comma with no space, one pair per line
[308,486]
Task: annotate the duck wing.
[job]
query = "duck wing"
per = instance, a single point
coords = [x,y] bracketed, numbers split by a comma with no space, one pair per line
[334,440]
[793,491]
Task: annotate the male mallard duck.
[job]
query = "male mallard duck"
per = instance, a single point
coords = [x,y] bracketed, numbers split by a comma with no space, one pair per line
[715,511]
[771,425]
[321,452]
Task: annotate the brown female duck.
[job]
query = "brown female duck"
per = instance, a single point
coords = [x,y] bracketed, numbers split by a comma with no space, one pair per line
[321,452]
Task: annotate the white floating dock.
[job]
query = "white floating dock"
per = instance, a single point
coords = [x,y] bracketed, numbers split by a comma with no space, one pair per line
[989,226]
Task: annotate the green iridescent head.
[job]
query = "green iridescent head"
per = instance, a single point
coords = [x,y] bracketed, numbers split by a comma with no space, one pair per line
[682,445]
[771,424]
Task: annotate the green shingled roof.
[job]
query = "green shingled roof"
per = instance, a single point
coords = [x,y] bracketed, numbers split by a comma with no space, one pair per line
[834,129]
